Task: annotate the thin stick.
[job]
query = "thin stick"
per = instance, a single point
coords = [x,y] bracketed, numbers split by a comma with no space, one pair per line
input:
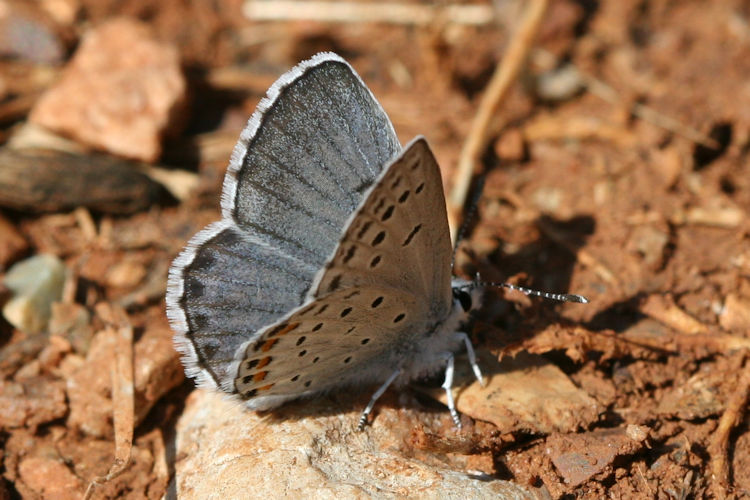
[349,12]
[663,309]
[505,74]
[123,403]
[719,447]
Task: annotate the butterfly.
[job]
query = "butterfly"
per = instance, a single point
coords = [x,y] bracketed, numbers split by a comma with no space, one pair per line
[331,264]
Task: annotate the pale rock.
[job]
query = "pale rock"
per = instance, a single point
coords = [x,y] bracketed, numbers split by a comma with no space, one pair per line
[310,450]
[581,456]
[525,393]
[30,403]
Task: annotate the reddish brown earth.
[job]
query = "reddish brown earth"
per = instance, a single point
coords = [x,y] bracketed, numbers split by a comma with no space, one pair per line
[604,191]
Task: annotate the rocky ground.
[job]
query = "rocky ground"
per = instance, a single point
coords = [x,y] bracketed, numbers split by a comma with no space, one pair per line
[617,167]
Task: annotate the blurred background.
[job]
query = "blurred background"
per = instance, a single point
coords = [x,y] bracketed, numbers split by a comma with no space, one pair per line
[613,165]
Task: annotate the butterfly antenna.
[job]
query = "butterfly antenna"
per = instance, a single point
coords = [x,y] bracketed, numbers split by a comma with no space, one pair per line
[471,212]
[561,297]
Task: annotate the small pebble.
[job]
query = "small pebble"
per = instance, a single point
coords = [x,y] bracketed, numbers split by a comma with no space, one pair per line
[559,84]
[35,284]
[121,58]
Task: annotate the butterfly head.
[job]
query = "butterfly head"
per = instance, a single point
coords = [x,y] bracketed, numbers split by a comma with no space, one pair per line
[467,296]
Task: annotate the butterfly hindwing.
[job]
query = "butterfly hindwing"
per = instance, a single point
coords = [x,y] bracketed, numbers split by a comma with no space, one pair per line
[350,335]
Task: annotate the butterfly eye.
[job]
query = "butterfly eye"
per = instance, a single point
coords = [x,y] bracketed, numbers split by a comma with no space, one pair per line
[464,298]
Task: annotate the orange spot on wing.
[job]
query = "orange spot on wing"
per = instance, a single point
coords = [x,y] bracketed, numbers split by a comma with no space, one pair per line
[258,377]
[268,344]
[265,387]
[282,330]
[264,362]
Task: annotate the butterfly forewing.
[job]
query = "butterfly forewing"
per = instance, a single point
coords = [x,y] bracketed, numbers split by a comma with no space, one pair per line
[322,142]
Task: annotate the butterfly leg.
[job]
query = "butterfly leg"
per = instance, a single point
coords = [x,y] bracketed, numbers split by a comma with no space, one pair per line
[472,357]
[447,384]
[374,398]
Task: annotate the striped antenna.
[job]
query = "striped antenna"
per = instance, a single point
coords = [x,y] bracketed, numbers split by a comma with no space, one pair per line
[562,297]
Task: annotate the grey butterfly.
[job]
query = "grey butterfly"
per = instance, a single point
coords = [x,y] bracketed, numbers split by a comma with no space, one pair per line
[331,265]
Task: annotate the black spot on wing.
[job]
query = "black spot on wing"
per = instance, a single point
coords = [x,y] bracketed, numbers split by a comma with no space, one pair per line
[411,235]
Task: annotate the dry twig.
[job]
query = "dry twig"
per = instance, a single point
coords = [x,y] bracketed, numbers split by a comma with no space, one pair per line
[719,448]
[505,75]
[665,311]
[123,402]
[346,12]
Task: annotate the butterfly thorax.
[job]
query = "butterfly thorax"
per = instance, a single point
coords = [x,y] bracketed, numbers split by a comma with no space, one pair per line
[427,358]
